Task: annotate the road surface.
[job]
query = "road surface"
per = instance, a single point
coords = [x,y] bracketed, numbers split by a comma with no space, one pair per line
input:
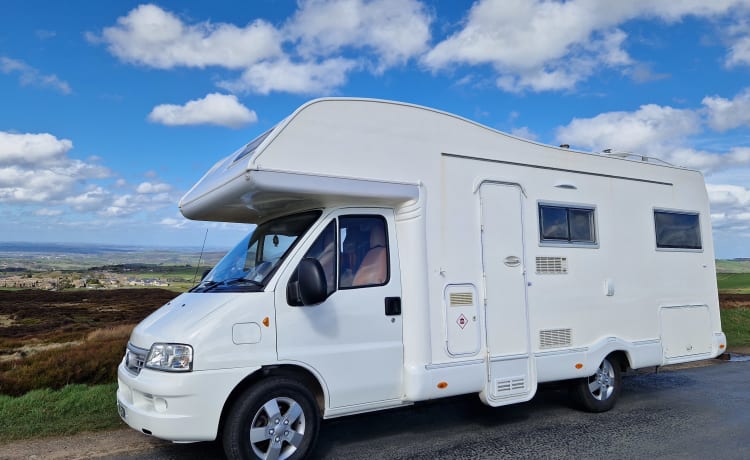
[701,412]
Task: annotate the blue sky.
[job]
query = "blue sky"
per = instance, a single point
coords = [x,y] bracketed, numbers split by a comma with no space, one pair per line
[112,110]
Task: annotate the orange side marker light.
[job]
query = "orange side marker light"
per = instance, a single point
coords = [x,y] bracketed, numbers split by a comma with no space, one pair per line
[579,366]
[721,347]
[266,321]
[442,385]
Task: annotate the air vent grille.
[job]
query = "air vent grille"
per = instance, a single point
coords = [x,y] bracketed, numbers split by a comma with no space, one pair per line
[554,338]
[551,265]
[509,385]
[461,299]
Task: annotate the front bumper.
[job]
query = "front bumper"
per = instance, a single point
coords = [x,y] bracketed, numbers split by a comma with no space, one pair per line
[180,407]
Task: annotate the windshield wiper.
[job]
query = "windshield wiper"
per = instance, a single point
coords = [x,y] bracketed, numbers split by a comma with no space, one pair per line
[229,282]
[204,286]
[241,280]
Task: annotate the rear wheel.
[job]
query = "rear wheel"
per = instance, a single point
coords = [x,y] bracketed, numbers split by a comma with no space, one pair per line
[599,392]
[275,419]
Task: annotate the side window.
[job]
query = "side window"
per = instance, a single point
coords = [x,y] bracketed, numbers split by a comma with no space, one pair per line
[363,247]
[324,249]
[567,224]
[677,230]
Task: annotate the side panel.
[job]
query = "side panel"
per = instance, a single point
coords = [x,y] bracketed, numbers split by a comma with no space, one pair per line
[510,368]
[461,318]
[685,331]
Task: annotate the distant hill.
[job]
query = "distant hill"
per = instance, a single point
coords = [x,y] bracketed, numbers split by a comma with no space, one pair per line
[733,266]
[15,256]
[84,248]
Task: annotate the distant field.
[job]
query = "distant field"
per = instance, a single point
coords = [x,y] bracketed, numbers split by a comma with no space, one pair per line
[733,283]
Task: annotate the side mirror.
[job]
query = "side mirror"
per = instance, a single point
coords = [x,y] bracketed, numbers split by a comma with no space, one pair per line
[313,288]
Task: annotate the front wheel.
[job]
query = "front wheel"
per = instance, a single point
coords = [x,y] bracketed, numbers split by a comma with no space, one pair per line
[275,419]
[599,392]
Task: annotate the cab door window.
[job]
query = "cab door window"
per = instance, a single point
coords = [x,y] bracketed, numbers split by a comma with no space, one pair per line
[363,246]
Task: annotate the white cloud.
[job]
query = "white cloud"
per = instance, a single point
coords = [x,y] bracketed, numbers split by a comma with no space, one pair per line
[28,75]
[724,114]
[307,55]
[286,76]
[44,34]
[151,36]
[395,30]
[46,212]
[551,45]
[214,109]
[728,195]
[36,168]
[150,188]
[739,52]
[32,149]
[643,131]
[89,200]
[729,207]
[174,222]
[524,133]
[661,131]
[148,197]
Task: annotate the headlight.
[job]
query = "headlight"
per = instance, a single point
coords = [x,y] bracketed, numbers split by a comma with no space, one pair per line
[172,357]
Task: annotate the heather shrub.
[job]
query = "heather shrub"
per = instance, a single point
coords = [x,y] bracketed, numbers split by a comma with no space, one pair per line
[94,361]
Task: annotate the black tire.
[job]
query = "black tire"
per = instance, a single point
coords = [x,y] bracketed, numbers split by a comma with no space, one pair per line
[599,392]
[277,415]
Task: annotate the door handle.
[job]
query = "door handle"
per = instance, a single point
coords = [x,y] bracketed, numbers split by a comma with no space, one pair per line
[512,261]
[392,306]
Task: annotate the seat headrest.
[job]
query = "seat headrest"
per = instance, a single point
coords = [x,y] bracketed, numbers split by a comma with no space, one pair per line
[377,236]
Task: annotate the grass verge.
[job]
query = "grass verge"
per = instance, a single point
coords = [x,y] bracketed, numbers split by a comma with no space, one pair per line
[72,409]
[735,323]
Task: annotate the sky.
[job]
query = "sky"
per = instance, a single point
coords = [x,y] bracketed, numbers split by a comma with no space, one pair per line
[111,111]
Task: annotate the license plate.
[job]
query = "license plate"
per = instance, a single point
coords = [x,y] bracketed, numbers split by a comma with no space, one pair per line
[121,411]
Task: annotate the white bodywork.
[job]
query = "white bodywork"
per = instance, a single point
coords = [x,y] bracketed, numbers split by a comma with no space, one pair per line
[486,307]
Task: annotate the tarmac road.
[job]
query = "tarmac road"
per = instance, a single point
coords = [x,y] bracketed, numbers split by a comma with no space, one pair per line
[701,412]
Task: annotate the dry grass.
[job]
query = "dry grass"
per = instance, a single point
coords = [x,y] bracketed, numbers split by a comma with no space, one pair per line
[111,333]
[31,349]
[52,339]
[6,320]
[90,362]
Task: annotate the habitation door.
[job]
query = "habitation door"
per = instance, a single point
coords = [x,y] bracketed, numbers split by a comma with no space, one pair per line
[353,339]
[506,319]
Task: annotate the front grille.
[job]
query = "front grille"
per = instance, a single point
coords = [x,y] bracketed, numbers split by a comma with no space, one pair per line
[135,358]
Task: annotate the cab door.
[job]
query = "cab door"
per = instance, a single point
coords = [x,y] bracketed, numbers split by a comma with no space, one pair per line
[353,339]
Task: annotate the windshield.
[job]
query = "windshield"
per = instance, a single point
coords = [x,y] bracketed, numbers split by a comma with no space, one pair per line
[249,266]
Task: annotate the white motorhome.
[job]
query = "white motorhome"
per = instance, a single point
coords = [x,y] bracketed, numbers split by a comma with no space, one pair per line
[402,254]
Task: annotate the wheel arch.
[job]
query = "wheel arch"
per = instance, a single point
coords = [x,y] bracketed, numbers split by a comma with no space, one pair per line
[305,376]
[621,359]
